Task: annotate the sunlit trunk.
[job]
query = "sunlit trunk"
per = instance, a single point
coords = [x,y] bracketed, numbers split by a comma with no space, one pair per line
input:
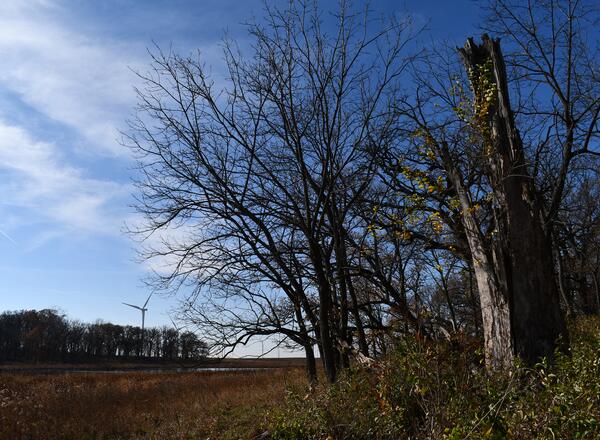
[521,313]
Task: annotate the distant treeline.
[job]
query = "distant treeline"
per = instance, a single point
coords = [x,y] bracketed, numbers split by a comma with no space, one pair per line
[45,335]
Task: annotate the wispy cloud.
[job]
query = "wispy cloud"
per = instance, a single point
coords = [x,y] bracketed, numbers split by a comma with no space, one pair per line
[66,87]
[8,237]
[78,80]
[79,85]
[39,184]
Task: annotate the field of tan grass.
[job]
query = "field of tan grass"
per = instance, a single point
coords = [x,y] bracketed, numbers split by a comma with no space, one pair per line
[145,364]
[137,405]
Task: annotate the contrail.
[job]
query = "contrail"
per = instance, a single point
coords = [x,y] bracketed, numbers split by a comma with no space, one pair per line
[8,237]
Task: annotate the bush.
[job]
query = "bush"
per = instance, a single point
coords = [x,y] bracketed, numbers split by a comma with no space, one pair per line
[441,391]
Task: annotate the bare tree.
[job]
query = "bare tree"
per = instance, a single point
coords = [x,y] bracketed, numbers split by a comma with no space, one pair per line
[266,171]
[320,203]
[484,166]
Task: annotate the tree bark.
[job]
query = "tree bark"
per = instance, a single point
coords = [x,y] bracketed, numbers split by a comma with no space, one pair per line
[311,365]
[328,347]
[362,339]
[515,274]
[495,311]
[561,285]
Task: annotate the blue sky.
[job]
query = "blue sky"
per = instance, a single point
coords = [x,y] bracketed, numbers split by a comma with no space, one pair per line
[66,89]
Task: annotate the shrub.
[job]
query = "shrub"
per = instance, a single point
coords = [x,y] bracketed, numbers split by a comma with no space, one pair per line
[441,391]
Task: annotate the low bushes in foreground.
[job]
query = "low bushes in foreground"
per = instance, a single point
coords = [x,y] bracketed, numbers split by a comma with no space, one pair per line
[441,391]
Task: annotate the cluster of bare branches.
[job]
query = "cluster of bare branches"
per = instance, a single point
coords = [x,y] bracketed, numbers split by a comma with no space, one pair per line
[347,186]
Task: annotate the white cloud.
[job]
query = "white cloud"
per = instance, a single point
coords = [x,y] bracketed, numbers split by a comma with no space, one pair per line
[82,82]
[83,85]
[37,183]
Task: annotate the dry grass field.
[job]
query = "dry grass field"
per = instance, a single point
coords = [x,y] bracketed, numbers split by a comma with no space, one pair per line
[146,364]
[138,405]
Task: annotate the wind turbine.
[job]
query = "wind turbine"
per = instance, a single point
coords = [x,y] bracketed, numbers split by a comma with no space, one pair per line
[143,309]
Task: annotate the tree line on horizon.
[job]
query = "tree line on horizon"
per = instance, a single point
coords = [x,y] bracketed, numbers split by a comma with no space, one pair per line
[47,336]
[340,183]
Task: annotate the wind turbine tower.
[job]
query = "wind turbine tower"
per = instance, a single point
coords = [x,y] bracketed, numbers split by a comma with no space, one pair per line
[143,309]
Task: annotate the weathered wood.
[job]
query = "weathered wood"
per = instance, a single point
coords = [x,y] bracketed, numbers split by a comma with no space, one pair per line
[495,313]
[514,267]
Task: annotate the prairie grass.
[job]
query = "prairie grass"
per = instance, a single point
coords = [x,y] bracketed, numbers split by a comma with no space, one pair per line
[200,405]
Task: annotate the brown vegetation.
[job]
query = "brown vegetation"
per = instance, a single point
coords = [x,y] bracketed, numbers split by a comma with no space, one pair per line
[149,364]
[425,390]
[223,405]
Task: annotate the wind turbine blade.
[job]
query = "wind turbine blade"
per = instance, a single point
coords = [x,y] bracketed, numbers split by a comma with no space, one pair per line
[144,306]
[131,305]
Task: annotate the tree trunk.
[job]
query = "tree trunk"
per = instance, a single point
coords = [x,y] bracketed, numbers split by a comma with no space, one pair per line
[561,285]
[596,289]
[311,365]
[345,283]
[519,297]
[328,346]
[362,339]
[494,301]
[341,275]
